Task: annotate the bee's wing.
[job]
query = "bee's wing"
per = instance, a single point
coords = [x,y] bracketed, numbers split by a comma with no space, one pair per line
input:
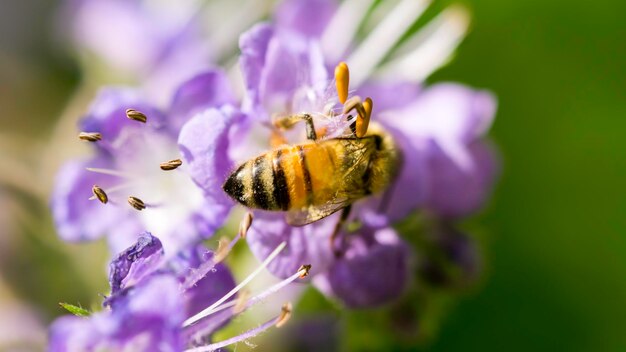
[361,149]
[315,213]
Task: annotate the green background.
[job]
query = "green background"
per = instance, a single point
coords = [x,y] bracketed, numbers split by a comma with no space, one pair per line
[557,276]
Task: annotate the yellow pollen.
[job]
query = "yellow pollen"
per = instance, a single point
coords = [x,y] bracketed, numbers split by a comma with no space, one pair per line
[342,81]
[363,123]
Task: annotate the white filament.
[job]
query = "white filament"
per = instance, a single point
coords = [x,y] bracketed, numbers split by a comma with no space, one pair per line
[342,28]
[431,48]
[243,283]
[378,44]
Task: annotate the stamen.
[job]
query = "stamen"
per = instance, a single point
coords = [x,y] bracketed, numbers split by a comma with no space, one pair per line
[302,272]
[100,194]
[110,172]
[207,266]
[171,165]
[136,115]
[429,49]
[342,81]
[245,224]
[208,310]
[242,302]
[136,203]
[223,248]
[383,38]
[90,136]
[285,314]
[342,28]
[278,321]
[363,123]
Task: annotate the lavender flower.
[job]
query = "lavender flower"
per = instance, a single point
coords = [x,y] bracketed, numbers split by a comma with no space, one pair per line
[157,303]
[136,178]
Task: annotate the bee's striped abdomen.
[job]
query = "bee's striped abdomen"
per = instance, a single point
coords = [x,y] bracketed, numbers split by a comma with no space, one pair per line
[281,190]
[288,178]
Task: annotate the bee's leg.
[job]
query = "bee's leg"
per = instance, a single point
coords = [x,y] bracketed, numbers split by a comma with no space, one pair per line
[288,122]
[364,112]
[345,212]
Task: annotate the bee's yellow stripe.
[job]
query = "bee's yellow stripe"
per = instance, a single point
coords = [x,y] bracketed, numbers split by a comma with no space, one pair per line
[290,162]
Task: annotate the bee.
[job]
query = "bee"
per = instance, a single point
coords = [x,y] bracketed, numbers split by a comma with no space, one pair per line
[314,179]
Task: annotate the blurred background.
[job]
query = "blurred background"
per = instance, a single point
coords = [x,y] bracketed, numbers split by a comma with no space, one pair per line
[554,233]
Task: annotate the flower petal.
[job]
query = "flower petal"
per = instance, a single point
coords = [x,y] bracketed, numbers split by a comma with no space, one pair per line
[107,115]
[455,191]
[253,45]
[147,319]
[295,15]
[213,286]
[305,245]
[368,274]
[204,90]
[76,217]
[204,142]
[446,111]
[133,264]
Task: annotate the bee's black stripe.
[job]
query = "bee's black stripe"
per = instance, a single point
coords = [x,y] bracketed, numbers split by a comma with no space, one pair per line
[308,187]
[281,191]
[259,193]
[234,184]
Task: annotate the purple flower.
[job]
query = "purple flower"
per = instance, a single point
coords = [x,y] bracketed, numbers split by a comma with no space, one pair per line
[123,36]
[449,258]
[165,304]
[446,168]
[127,162]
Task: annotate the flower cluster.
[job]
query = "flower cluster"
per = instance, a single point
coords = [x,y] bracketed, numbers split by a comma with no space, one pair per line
[165,304]
[162,170]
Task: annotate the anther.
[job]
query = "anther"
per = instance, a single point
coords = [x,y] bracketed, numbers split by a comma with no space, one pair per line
[100,194]
[342,81]
[306,268]
[171,165]
[136,115]
[245,224]
[285,314]
[242,301]
[223,248]
[90,136]
[363,123]
[136,203]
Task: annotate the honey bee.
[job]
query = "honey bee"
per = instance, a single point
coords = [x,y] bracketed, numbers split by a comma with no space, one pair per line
[314,179]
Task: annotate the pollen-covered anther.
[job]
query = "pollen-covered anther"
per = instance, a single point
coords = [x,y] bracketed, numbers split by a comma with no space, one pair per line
[90,136]
[223,248]
[100,194]
[245,224]
[136,203]
[285,314]
[242,301]
[171,165]
[342,81]
[136,115]
[304,270]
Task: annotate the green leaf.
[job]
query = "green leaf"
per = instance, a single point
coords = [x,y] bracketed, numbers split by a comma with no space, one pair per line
[76,310]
